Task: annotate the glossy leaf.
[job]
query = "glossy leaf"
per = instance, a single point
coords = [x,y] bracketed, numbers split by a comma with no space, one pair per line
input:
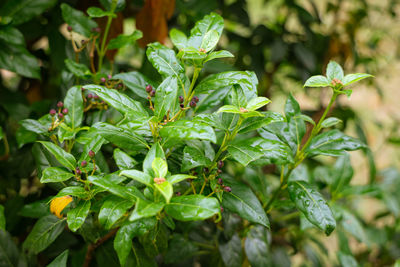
[244,153]
[292,107]
[130,193]
[312,205]
[23,10]
[124,40]
[192,207]
[160,167]
[211,22]
[76,191]
[229,109]
[63,157]
[256,247]
[145,209]
[166,98]
[139,176]
[218,54]
[123,160]
[342,174]
[223,79]
[329,122]
[347,260]
[355,77]
[124,104]
[243,201]
[178,38]
[76,216]
[9,253]
[54,175]
[79,70]
[112,210]
[96,12]
[231,251]
[334,70]
[257,103]
[135,81]
[333,143]
[165,189]
[317,81]
[34,126]
[77,20]
[256,123]
[45,231]
[193,157]
[188,130]
[155,151]
[74,102]
[60,261]
[173,179]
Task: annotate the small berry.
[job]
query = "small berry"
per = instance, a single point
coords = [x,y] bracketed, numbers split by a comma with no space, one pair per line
[220,164]
[149,88]
[84,163]
[95,96]
[102,79]
[89,96]
[96,29]
[91,153]
[109,76]
[196,99]
[52,112]
[60,104]
[180,99]
[181,105]
[222,209]
[60,115]
[78,171]
[83,89]
[220,181]
[152,93]
[119,85]
[192,104]
[65,111]
[227,189]
[178,193]
[206,170]
[219,171]
[83,41]
[243,110]
[69,28]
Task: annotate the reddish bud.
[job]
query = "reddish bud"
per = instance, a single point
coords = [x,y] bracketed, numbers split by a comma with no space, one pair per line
[227,189]
[69,28]
[149,88]
[60,115]
[192,104]
[96,29]
[219,171]
[109,76]
[222,209]
[89,96]
[181,99]
[91,153]
[83,163]
[65,111]
[78,171]
[52,112]
[152,93]
[102,79]
[181,105]
[83,89]
[60,104]
[220,164]
[220,181]
[95,96]
[178,194]
[196,99]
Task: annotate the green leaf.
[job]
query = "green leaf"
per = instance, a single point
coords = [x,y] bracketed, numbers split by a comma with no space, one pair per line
[292,107]
[155,151]
[124,236]
[34,126]
[145,209]
[77,20]
[44,232]
[229,109]
[317,81]
[256,123]
[193,157]
[210,40]
[76,191]
[108,5]
[60,261]
[218,54]
[54,175]
[139,176]
[77,216]
[165,189]
[179,248]
[312,205]
[2,219]
[188,130]
[112,210]
[166,98]
[347,260]
[24,10]
[63,157]
[334,70]
[256,247]
[121,102]
[355,77]
[120,136]
[135,81]
[257,103]
[126,192]
[223,79]
[231,251]
[79,70]
[352,224]
[124,40]
[96,12]
[329,122]
[178,38]
[243,201]
[244,153]
[333,143]
[164,60]
[342,174]
[192,207]
[74,102]
[160,167]
[123,160]
[12,36]
[9,253]
[200,32]
[173,179]
[237,97]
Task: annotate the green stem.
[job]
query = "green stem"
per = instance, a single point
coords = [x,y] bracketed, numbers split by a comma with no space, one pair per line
[103,42]
[190,93]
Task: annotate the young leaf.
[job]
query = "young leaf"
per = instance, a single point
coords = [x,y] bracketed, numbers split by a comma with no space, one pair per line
[130,193]
[199,32]
[342,174]
[243,201]
[355,77]
[45,231]
[96,12]
[188,130]
[257,103]
[54,175]
[124,104]
[77,20]
[317,81]
[139,176]
[292,107]
[334,70]
[223,79]
[347,259]
[35,126]
[79,70]
[155,151]
[77,216]
[63,157]
[124,40]
[166,98]
[179,177]
[192,207]
[165,189]
[145,209]
[112,210]
[76,191]
[74,103]
[123,160]
[329,122]
[210,40]
[60,261]
[229,109]
[160,167]
[124,236]
[312,205]
[218,54]
[193,157]
[178,38]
